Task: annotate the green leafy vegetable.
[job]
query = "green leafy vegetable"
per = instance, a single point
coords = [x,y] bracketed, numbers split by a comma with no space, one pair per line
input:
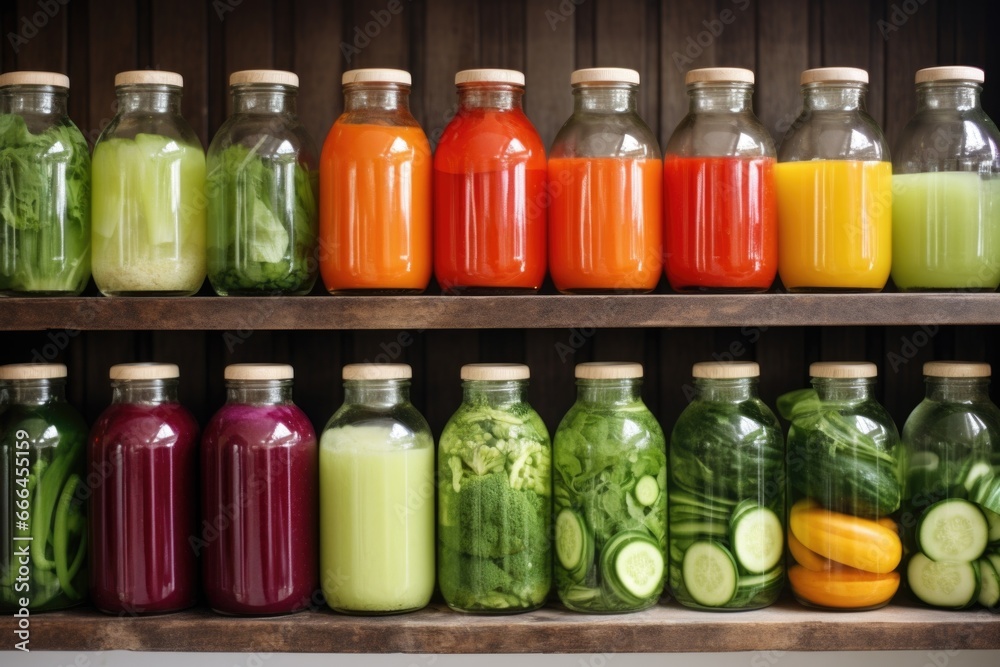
[44,208]
[494,508]
[262,222]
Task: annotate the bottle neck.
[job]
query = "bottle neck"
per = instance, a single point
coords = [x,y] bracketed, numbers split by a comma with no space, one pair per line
[376,98]
[958,390]
[730,390]
[377,393]
[844,389]
[259,392]
[609,392]
[495,97]
[154,392]
[721,98]
[494,394]
[149,99]
[835,97]
[36,392]
[604,99]
[264,99]
[34,100]
[948,96]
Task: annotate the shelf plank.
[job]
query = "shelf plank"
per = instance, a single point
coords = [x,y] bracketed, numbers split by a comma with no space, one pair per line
[510,312]
[663,629]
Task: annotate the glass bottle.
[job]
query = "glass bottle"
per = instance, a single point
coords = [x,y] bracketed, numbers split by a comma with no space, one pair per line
[149,193]
[375,190]
[844,469]
[610,494]
[727,493]
[43,519]
[490,190]
[259,497]
[834,187]
[262,191]
[718,173]
[494,496]
[951,506]
[946,188]
[377,496]
[143,511]
[606,184]
[44,188]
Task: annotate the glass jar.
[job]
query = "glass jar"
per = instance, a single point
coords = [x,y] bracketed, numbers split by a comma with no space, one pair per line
[951,507]
[377,496]
[262,192]
[149,193]
[718,174]
[494,496]
[259,497]
[144,450]
[727,494]
[946,188]
[844,469]
[606,184]
[375,190]
[834,187]
[490,190]
[610,494]
[43,520]
[45,193]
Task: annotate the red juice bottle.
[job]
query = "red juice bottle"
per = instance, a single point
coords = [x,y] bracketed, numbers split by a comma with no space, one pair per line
[720,209]
[143,509]
[489,190]
[259,463]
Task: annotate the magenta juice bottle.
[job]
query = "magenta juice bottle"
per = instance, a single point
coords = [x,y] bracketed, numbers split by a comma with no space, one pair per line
[259,497]
[143,490]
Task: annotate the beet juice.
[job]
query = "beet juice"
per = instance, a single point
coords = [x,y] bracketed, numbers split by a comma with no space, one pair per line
[144,465]
[259,463]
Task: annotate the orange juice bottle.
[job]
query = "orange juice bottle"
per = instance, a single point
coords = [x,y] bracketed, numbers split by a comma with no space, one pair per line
[834,189]
[605,181]
[375,190]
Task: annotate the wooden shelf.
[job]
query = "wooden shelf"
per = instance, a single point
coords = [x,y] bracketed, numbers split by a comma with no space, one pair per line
[512,312]
[663,629]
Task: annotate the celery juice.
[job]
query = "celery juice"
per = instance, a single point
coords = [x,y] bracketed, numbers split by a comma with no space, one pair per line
[946,231]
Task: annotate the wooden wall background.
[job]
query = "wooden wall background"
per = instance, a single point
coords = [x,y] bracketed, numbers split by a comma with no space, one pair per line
[547,39]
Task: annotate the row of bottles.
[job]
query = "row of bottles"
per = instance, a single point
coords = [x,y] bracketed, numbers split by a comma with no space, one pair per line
[375,212]
[605,511]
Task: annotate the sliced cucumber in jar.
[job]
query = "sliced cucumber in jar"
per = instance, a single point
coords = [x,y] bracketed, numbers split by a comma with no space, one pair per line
[574,544]
[710,574]
[950,584]
[989,590]
[647,490]
[757,539]
[953,530]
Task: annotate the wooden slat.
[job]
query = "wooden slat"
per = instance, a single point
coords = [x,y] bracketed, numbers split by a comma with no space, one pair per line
[249,40]
[549,61]
[662,629]
[851,39]
[46,50]
[622,36]
[444,356]
[784,28]
[113,48]
[552,354]
[502,33]
[901,377]
[680,51]
[189,350]
[318,29]
[180,44]
[903,58]
[388,33]
[450,44]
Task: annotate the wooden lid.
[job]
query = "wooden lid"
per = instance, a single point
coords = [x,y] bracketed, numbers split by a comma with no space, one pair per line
[495,372]
[834,75]
[957,369]
[34,79]
[604,75]
[719,75]
[267,76]
[144,371]
[149,77]
[726,370]
[32,371]
[377,372]
[608,370]
[950,73]
[259,372]
[376,75]
[508,76]
[843,369]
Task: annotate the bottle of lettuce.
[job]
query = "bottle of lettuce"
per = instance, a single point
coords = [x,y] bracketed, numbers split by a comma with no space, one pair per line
[149,193]
[609,495]
[44,189]
[494,496]
[262,192]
